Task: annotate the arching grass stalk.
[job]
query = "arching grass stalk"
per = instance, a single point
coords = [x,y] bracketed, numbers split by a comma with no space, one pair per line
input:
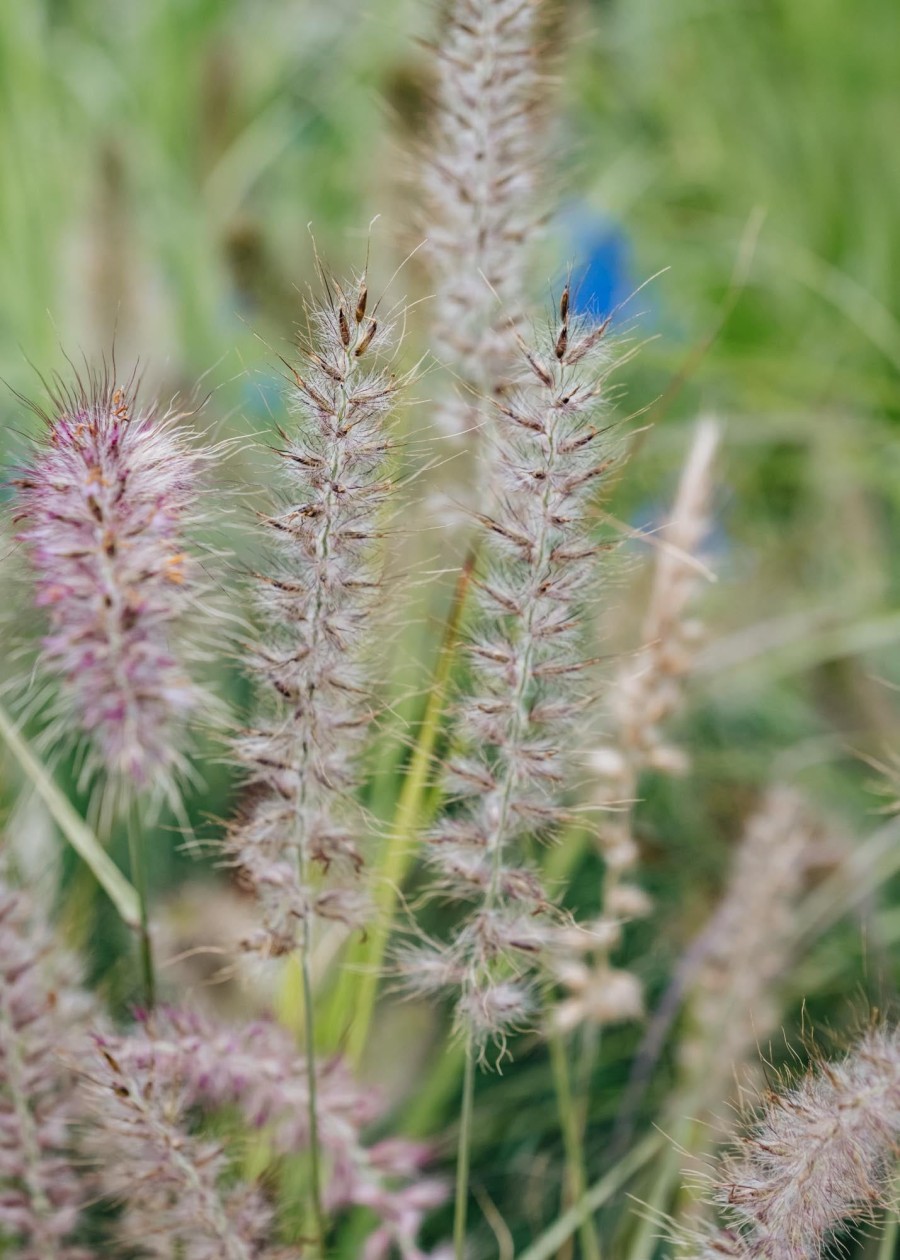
[73,827]
[548,1244]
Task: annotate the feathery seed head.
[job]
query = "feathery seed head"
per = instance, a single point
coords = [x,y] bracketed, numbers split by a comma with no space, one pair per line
[41,1009]
[748,944]
[645,692]
[177,1062]
[820,1156]
[169,1181]
[479,185]
[318,602]
[104,510]
[517,720]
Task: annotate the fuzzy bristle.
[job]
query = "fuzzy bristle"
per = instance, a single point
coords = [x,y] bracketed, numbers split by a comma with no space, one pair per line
[42,1010]
[527,657]
[480,181]
[297,838]
[105,510]
[820,1157]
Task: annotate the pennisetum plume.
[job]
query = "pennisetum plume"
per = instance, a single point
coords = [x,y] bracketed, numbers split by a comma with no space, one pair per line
[42,1015]
[735,965]
[517,718]
[819,1157]
[170,1182]
[296,839]
[479,173]
[105,508]
[186,1065]
[728,984]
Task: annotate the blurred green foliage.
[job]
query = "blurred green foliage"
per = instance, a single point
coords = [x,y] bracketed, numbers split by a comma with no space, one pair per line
[163,164]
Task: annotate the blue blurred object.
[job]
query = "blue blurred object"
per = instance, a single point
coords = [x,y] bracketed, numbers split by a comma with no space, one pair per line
[600,254]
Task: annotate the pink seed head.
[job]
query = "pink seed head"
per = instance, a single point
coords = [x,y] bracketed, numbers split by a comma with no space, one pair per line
[103,508]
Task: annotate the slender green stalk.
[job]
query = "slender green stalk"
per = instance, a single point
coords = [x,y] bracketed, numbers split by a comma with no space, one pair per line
[357,992]
[139,878]
[887,1247]
[315,1171]
[658,1200]
[573,1140]
[547,1245]
[464,1154]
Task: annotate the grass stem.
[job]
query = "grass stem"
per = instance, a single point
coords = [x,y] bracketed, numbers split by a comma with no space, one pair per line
[365,962]
[573,1142]
[315,1172]
[464,1154]
[139,879]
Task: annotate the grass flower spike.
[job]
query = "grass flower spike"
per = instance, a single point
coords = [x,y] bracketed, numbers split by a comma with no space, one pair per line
[747,946]
[480,180]
[518,718]
[318,602]
[820,1156]
[645,692]
[170,1182]
[648,688]
[41,1007]
[104,509]
[177,1065]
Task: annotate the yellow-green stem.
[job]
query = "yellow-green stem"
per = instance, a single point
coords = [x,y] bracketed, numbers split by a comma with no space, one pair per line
[572,1128]
[464,1151]
[887,1247]
[72,825]
[315,1171]
[139,879]
[398,850]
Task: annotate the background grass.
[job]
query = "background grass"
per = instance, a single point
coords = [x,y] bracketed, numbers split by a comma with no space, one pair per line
[161,166]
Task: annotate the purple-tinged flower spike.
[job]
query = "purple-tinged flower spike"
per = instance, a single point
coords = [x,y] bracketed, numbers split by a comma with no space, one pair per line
[169,1181]
[526,655]
[257,1069]
[734,967]
[104,509]
[296,839]
[480,188]
[41,1013]
[821,1156]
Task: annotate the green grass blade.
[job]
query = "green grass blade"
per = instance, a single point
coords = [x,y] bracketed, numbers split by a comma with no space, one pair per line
[546,1246]
[362,968]
[73,826]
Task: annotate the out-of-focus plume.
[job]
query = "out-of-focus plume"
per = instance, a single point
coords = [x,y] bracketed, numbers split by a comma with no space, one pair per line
[644,694]
[735,965]
[106,506]
[480,187]
[177,1063]
[819,1157]
[170,1183]
[42,1015]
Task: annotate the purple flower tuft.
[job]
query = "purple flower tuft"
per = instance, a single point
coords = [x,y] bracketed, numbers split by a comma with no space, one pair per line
[40,1005]
[103,509]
